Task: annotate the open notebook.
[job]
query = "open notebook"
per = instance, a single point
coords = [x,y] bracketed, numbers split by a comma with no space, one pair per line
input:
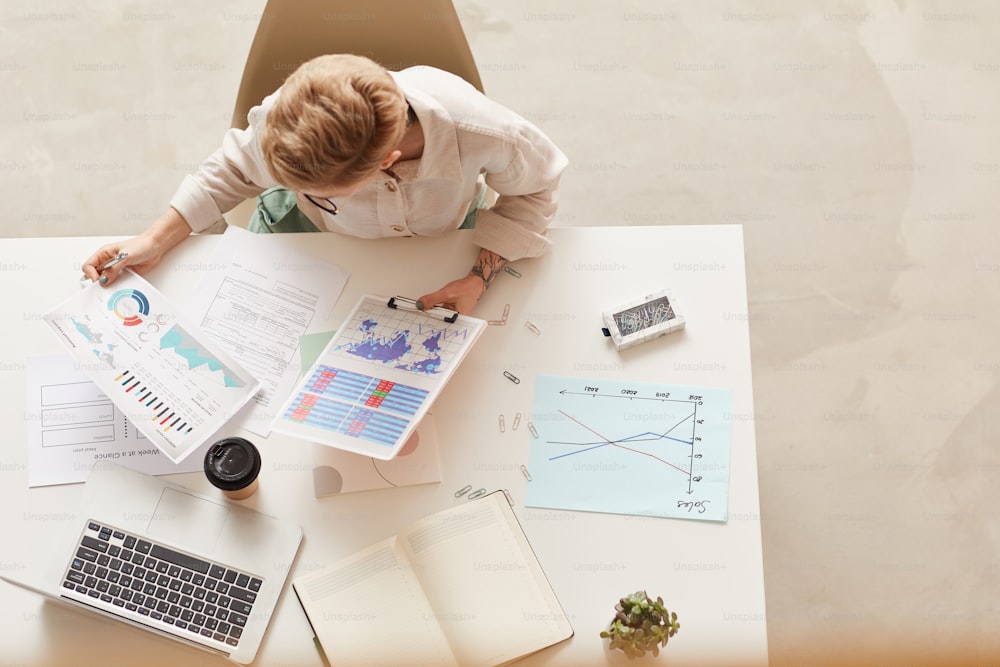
[459,587]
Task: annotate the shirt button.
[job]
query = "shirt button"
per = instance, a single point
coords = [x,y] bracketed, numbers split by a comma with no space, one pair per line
[398,228]
[391,186]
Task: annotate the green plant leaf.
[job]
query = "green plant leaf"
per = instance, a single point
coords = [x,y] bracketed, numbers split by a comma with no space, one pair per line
[640,625]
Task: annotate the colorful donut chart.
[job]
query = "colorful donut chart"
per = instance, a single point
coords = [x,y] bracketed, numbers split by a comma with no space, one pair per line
[129,305]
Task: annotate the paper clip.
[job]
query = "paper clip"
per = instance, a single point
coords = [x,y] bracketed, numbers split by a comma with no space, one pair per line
[478,493]
[513,378]
[531,427]
[464,490]
[510,498]
[517,421]
[524,471]
[532,328]
[512,271]
[500,420]
[503,318]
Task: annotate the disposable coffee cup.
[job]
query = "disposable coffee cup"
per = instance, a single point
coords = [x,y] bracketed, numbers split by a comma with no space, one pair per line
[232,465]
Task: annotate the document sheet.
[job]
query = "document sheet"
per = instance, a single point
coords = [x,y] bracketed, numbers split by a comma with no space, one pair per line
[72,424]
[260,296]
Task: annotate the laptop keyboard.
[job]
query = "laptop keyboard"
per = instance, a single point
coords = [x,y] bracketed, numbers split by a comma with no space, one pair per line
[161,587]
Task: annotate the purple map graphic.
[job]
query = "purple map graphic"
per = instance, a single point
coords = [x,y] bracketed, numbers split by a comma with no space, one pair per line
[398,348]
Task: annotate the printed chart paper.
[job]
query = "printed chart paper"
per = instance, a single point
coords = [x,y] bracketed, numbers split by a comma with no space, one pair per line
[336,471]
[630,448]
[72,424]
[162,372]
[376,378]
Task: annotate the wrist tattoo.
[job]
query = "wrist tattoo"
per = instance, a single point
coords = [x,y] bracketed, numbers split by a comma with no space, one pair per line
[486,267]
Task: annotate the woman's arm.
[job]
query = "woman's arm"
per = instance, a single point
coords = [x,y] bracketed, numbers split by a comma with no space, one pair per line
[144,251]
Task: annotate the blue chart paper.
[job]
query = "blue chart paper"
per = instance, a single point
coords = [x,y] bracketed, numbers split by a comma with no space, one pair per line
[630,448]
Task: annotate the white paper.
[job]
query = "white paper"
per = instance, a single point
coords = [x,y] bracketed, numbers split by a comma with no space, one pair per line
[258,300]
[72,424]
[157,367]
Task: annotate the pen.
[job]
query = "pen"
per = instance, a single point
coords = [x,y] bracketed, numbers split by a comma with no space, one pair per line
[107,265]
[117,258]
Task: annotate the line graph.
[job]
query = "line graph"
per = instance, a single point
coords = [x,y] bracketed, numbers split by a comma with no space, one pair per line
[630,448]
[632,438]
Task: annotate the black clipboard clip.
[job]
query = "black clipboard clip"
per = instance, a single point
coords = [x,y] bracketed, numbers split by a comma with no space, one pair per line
[403,303]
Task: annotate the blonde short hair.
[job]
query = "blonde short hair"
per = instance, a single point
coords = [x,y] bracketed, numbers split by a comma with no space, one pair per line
[336,119]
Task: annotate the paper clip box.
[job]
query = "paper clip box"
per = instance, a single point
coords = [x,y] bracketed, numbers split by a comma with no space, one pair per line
[642,319]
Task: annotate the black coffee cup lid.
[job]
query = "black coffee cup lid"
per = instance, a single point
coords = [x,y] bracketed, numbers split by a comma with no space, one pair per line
[232,463]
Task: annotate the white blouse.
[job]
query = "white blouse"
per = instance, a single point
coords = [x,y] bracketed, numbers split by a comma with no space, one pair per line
[465,135]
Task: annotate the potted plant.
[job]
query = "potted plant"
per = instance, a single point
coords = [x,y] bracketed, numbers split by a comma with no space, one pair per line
[640,624]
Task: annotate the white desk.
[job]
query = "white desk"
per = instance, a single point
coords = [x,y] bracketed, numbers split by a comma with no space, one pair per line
[710,574]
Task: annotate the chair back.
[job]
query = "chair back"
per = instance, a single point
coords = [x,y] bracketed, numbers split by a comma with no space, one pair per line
[394,33]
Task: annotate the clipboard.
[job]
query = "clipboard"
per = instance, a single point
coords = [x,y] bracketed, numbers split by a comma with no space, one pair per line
[378,375]
[449,316]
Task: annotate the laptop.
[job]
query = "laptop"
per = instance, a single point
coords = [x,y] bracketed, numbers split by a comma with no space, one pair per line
[194,568]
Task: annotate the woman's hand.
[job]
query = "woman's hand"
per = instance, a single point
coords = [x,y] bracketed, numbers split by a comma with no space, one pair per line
[141,254]
[463,294]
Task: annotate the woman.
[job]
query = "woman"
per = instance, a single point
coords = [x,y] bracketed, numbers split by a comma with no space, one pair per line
[371,153]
